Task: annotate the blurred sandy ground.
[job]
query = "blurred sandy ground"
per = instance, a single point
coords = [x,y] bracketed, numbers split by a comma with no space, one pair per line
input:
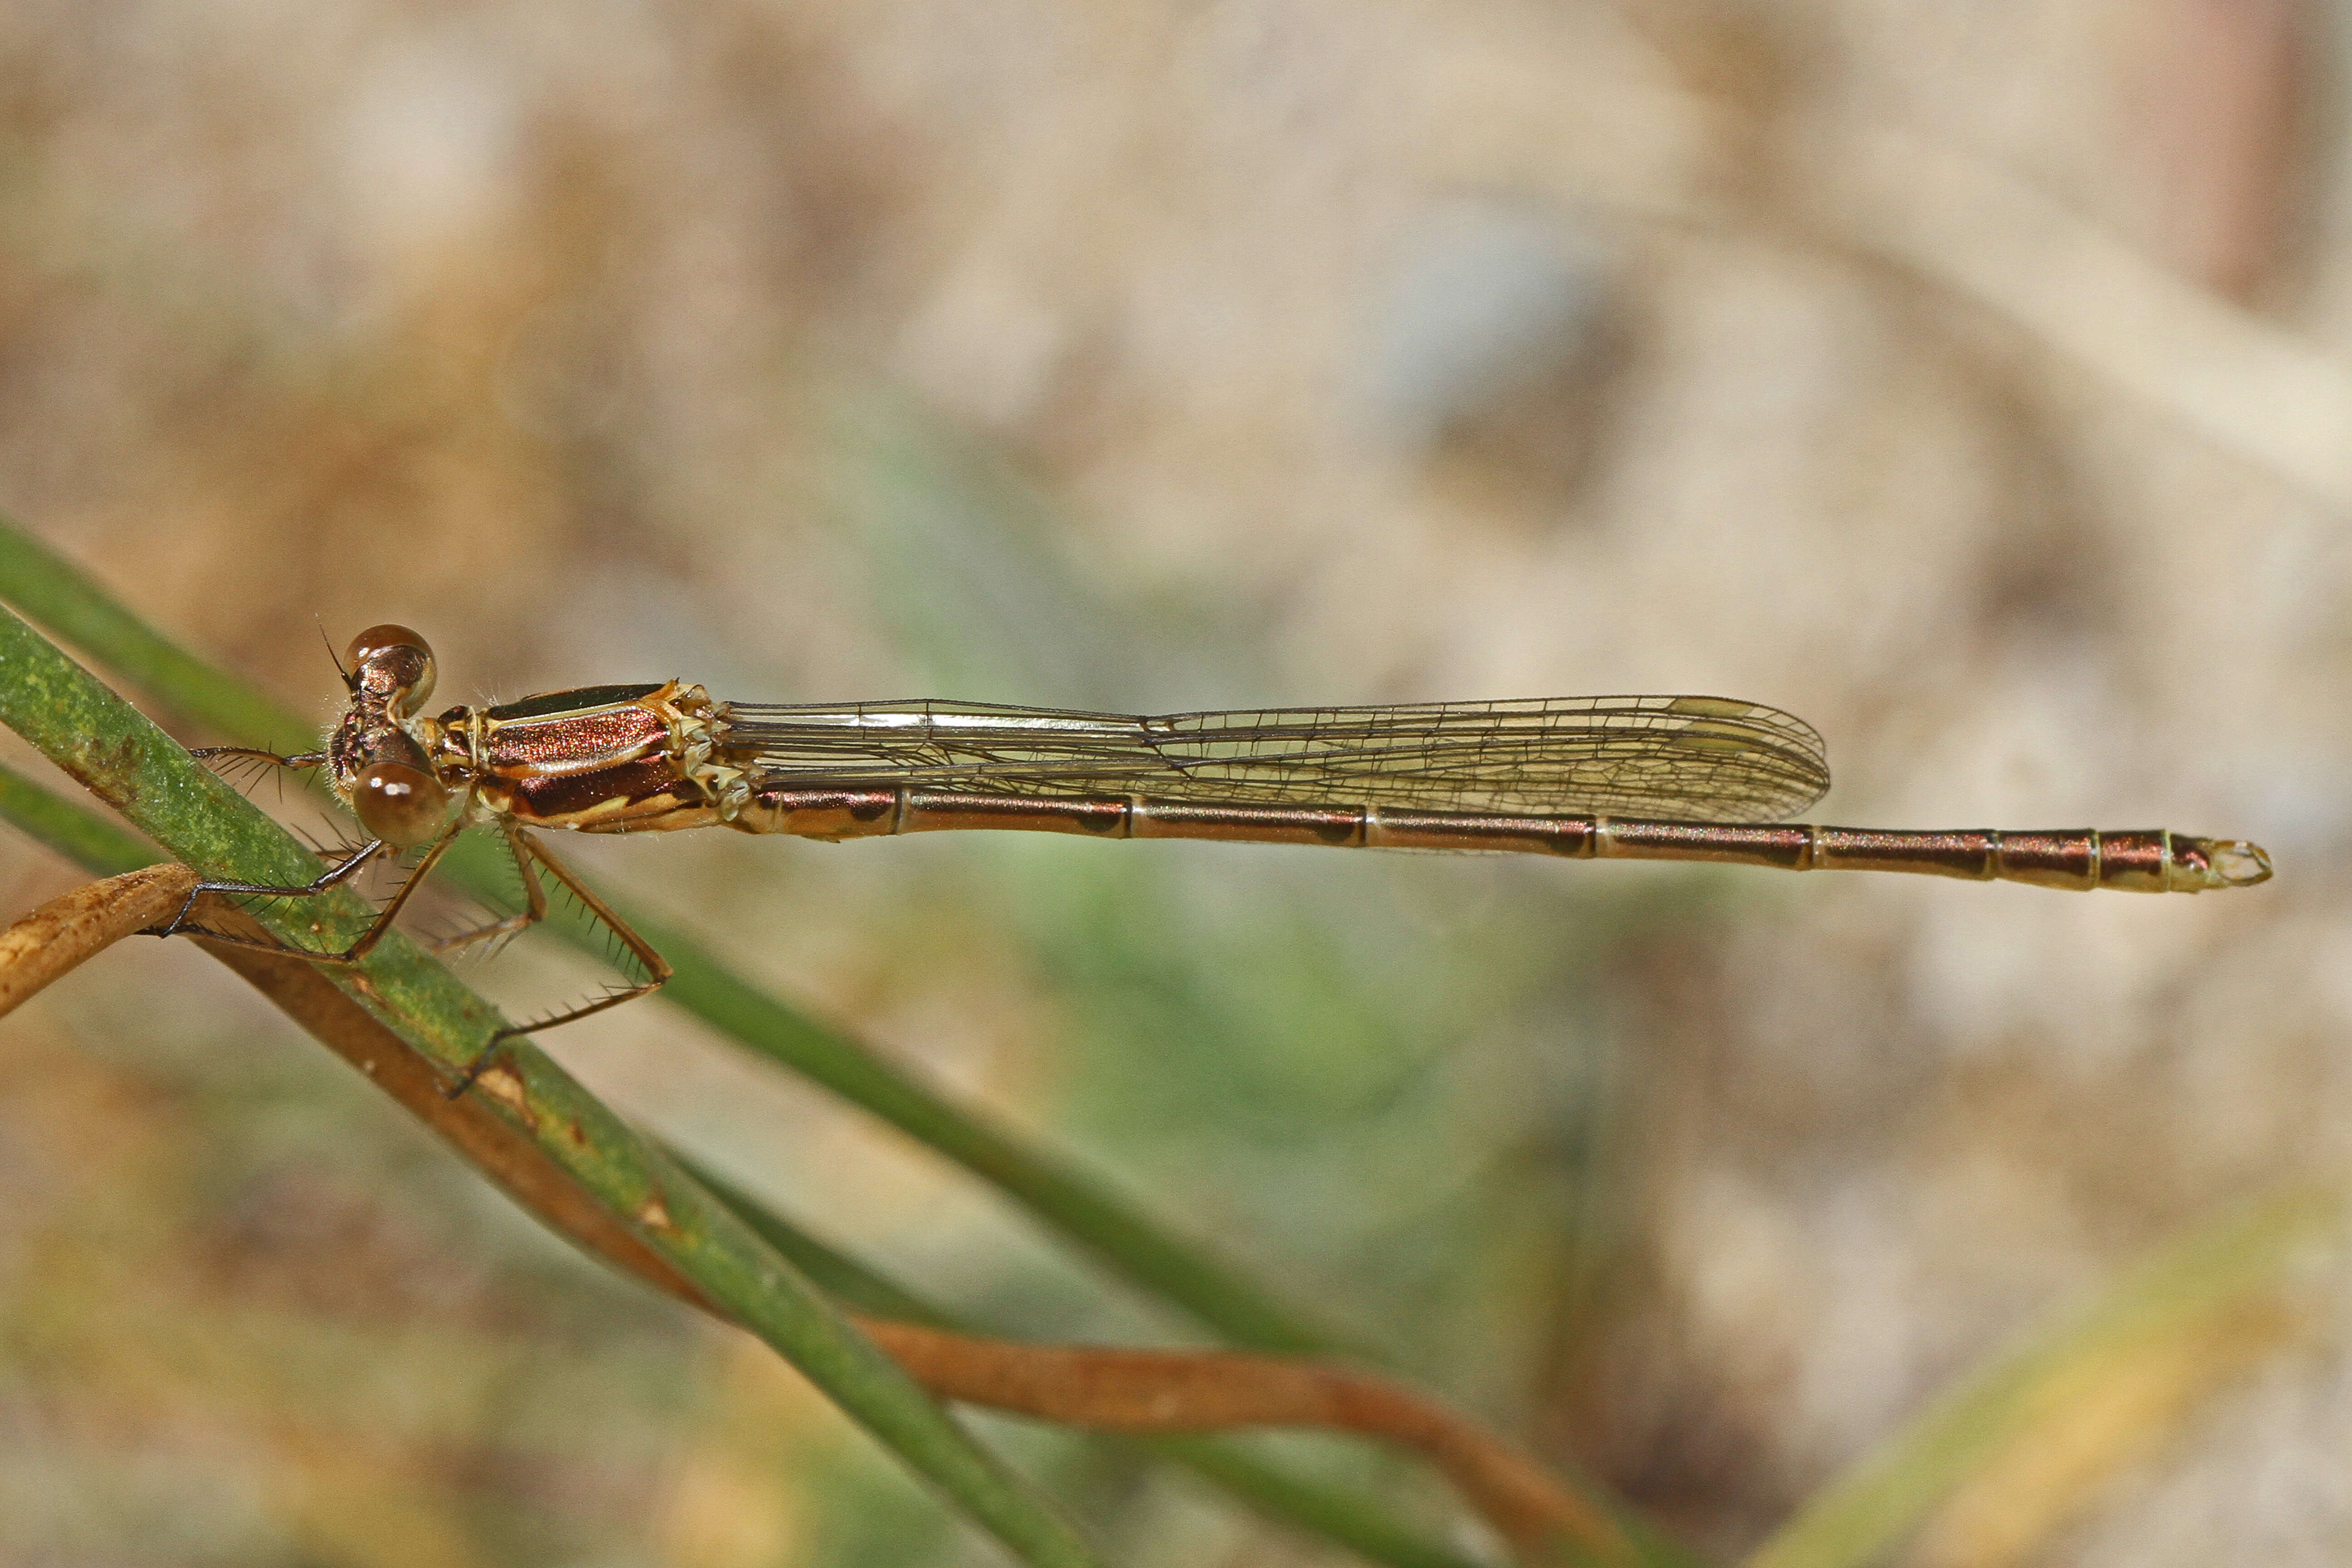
[1964,377]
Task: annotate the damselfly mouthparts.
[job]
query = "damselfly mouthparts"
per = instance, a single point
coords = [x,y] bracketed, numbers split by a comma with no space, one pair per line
[1655,778]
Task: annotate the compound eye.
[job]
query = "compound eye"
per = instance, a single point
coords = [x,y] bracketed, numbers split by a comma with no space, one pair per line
[403,805]
[394,661]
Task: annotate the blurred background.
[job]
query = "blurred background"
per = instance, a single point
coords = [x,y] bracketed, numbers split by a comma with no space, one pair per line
[1973,379]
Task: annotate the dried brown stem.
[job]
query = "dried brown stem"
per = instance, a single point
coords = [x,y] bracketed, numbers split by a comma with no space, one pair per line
[1192,1392]
[67,930]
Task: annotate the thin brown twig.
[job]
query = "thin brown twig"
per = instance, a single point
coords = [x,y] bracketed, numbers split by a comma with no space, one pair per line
[1195,1391]
[59,935]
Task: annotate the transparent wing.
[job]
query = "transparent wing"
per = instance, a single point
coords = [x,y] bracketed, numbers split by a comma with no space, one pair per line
[1686,758]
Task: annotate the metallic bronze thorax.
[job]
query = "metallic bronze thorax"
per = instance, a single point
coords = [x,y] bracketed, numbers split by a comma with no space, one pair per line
[596,759]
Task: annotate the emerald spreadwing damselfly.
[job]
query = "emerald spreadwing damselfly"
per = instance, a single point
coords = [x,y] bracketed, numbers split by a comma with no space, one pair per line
[1646,778]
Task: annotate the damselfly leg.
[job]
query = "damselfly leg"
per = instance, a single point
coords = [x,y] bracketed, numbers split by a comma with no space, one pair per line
[334,875]
[275,759]
[527,849]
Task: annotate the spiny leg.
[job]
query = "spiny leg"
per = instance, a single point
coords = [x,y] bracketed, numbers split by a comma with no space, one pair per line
[342,872]
[368,939]
[266,761]
[657,969]
[275,759]
[534,895]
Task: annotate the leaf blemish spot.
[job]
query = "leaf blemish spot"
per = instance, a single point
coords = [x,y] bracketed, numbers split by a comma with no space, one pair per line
[501,1084]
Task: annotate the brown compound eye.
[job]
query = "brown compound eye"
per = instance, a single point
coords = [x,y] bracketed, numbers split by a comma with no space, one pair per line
[395,661]
[403,805]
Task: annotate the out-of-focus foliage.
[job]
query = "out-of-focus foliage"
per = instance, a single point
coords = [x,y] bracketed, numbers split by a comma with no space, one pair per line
[1177,356]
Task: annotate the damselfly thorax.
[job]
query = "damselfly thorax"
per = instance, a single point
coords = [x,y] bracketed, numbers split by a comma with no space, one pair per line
[1656,778]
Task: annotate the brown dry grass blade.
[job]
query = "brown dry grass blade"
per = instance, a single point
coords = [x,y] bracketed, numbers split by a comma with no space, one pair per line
[62,934]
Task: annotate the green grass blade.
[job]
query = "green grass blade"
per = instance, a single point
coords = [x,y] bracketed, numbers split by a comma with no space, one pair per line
[2143,1323]
[848,1281]
[113,751]
[1083,1207]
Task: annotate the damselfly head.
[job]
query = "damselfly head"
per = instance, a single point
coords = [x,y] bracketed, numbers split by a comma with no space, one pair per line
[395,664]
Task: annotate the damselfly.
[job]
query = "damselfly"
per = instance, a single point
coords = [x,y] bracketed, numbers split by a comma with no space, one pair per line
[1654,778]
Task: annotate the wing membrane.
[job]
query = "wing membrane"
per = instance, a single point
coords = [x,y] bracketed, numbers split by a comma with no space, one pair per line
[1686,758]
